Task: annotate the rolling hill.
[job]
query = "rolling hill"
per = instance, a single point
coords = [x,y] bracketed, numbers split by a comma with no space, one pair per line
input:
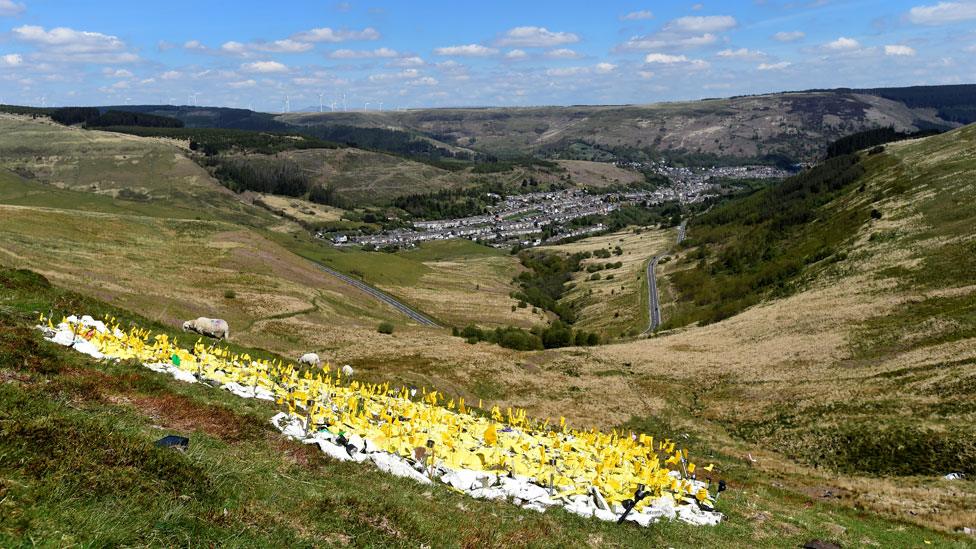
[833,402]
[781,127]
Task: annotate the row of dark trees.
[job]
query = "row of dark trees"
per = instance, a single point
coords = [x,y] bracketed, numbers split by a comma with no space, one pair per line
[554,336]
[93,117]
[871,138]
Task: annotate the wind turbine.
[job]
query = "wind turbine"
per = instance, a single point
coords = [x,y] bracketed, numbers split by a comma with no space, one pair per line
[320,102]
[365,105]
[381,105]
[287,103]
[343,101]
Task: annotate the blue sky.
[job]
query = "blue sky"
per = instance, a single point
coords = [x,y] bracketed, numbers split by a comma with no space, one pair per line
[434,53]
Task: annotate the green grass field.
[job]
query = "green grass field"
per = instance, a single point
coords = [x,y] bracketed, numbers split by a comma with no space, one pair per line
[80,469]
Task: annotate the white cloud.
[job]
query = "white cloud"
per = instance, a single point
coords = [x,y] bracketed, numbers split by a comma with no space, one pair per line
[264,67]
[466,50]
[637,15]
[282,46]
[567,71]
[171,75]
[516,54]
[536,37]
[943,13]
[69,40]
[562,53]
[665,59]
[741,53]
[364,54]
[9,8]
[194,45]
[708,23]
[325,34]
[774,66]
[645,75]
[789,36]
[117,73]
[669,42]
[899,50]
[670,60]
[65,44]
[599,68]
[11,60]
[405,74]
[425,81]
[250,83]
[843,44]
[412,61]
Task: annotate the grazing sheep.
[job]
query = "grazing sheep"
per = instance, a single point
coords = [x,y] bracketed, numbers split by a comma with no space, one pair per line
[210,327]
[310,359]
[347,370]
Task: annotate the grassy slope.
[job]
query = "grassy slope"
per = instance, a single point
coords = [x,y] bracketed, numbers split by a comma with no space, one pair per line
[459,282]
[172,256]
[618,306]
[797,124]
[159,179]
[80,469]
[771,360]
[867,371]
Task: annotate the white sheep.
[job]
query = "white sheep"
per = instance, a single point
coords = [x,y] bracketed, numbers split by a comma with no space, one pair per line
[210,327]
[310,359]
[347,370]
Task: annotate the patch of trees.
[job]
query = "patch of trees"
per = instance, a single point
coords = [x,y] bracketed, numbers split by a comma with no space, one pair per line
[93,117]
[325,194]
[871,138]
[70,116]
[544,283]
[263,176]
[448,203]
[955,103]
[213,141]
[747,249]
[386,140]
[144,120]
[28,111]
[554,336]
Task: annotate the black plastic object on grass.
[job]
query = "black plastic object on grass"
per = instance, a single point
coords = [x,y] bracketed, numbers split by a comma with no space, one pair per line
[174,441]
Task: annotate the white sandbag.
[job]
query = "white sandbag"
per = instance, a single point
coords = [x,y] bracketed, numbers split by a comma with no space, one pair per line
[87,347]
[397,466]
[692,514]
[466,480]
[183,375]
[334,451]
[492,493]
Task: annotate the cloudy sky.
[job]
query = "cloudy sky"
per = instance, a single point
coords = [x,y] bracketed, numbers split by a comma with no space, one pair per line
[456,53]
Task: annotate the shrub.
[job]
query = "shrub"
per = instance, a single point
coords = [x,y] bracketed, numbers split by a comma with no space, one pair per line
[230,294]
[385,328]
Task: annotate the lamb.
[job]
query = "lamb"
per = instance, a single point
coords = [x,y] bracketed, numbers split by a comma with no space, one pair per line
[210,327]
[310,359]
[347,370]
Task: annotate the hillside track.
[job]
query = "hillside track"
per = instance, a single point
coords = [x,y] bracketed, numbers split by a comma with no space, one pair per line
[420,318]
[653,302]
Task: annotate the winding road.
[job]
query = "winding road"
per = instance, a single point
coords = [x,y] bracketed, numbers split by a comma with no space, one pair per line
[653,303]
[384,297]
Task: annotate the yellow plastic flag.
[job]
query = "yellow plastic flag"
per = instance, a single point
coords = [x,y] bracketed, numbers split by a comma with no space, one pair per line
[491,437]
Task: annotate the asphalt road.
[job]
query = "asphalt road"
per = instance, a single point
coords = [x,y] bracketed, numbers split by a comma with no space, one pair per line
[386,298]
[653,304]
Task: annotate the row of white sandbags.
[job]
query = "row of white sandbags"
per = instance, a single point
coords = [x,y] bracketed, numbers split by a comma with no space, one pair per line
[521,491]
